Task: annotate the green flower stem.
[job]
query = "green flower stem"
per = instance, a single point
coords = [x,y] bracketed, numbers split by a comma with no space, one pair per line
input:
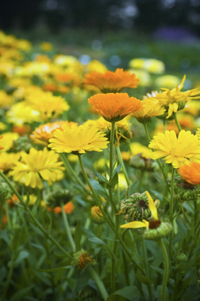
[123,166]
[147,269]
[71,172]
[112,133]
[176,120]
[172,196]
[10,272]
[8,214]
[108,219]
[99,283]
[159,163]
[166,269]
[126,269]
[32,216]
[67,228]
[164,124]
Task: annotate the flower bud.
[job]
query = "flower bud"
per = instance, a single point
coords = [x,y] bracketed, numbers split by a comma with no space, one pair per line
[181,257]
[96,215]
[184,191]
[82,260]
[162,231]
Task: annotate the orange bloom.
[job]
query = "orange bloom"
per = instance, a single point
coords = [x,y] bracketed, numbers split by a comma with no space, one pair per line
[21,129]
[84,260]
[111,81]
[52,87]
[114,107]
[69,207]
[190,173]
[69,78]
[44,132]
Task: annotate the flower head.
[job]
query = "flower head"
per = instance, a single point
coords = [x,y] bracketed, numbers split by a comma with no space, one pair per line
[8,140]
[78,139]
[174,100]
[111,81]
[177,151]
[190,173]
[7,160]
[114,107]
[38,165]
[96,215]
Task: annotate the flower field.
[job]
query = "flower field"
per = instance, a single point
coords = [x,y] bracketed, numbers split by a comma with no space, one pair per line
[99,178]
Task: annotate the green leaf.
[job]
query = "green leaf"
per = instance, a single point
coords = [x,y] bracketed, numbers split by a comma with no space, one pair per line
[22,255]
[117,169]
[20,293]
[101,178]
[143,279]
[113,181]
[128,293]
[67,267]
[77,236]
[132,188]
[101,242]
[98,188]
[159,270]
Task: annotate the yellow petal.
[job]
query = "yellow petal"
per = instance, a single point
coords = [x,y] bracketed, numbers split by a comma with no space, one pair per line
[135,225]
[152,206]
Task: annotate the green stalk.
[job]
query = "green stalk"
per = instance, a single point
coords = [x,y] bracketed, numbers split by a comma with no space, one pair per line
[164,124]
[176,120]
[99,283]
[123,166]
[172,196]
[159,163]
[8,214]
[166,269]
[32,216]
[67,228]
[147,268]
[8,280]
[71,172]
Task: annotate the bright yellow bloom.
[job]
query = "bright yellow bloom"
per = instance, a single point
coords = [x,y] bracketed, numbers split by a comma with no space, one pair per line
[5,99]
[145,224]
[143,76]
[95,65]
[96,215]
[21,113]
[38,165]
[7,160]
[24,45]
[114,107]
[47,104]
[111,81]
[177,151]
[174,100]
[150,65]
[8,140]
[44,132]
[168,81]
[137,148]
[150,109]
[78,139]
[190,173]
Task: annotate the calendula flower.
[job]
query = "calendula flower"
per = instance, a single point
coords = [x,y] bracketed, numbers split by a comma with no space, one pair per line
[190,173]
[7,160]
[78,139]
[150,109]
[137,148]
[111,81]
[154,228]
[8,140]
[168,81]
[46,46]
[114,107]
[150,65]
[21,113]
[174,100]
[82,259]
[96,215]
[47,104]
[95,65]
[38,165]
[5,99]
[68,208]
[143,76]
[44,132]
[176,150]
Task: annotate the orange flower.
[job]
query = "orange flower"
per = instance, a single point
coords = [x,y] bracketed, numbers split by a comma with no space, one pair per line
[111,81]
[190,173]
[21,129]
[44,132]
[114,107]
[69,207]
[52,87]
[84,260]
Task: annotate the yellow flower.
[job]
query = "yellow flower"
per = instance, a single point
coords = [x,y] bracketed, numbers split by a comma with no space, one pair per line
[150,109]
[8,139]
[24,45]
[146,224]
[177,151]
[150,65]
[46,46]
[168,81]
[38,165]
[143,76]
[47,104]
[111,81]
[7,161]
[137,148]
[21,113]
[114,107]
[174,100]
[122,182]
[95,65]
[96,215]
[190,173]
[78,139]
[5,99]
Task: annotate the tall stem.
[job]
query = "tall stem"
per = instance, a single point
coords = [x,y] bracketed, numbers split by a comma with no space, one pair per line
[67,228]
[99,283]
[172,196]
[123,166]
[147,268]
[166,269]
[176,120]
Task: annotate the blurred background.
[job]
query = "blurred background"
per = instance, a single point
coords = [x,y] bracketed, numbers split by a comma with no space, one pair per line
[112,31]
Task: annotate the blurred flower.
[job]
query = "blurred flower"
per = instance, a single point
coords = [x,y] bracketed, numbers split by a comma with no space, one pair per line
[5,99]
[192,107]
[38,165]
[21,129]
[21,113]
[8,140]
[24,45]
[7,160]
[3,126]
[78,139]
[111,81]
[137,148]
[150,109]
[122,182]
[96,215]
[177,151]
[1,147]
[143,76]
[82,260]
[114,107]
[46,46]
[174,100]
[190,173]
[150,65]
[68,208]
[44,132]
[168,81]
[95,65]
